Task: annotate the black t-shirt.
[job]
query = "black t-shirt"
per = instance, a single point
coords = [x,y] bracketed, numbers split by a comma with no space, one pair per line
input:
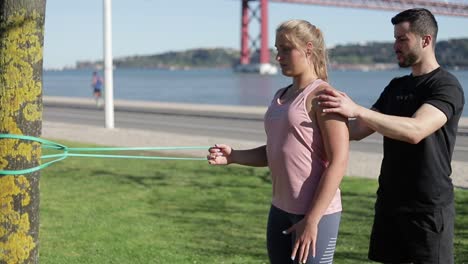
[417,176]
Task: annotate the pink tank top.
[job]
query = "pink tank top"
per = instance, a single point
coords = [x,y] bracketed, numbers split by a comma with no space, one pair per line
[296,154]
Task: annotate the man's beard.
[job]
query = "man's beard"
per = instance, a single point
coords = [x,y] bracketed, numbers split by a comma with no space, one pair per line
[408,60]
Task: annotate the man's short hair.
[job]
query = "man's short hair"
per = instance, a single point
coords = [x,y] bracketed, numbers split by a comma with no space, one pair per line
[422,21]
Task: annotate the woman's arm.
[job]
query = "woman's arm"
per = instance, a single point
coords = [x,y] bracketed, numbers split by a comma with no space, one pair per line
[358,129]
[221,154]
[335,136]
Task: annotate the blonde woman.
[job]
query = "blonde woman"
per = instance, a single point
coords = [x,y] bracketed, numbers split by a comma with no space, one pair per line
[306,152]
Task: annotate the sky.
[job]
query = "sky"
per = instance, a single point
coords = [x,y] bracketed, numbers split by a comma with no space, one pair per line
[74,29]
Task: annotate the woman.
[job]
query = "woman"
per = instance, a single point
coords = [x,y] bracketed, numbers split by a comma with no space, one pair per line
[306,151]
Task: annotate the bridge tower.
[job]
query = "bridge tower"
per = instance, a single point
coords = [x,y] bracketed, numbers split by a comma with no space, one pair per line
[249,45]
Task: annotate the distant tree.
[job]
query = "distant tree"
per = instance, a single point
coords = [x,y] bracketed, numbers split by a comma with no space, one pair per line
[21,44]
[453,53]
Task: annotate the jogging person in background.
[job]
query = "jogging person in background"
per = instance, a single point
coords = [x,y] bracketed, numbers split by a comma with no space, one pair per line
[97,84]
[418,116]
[306,152]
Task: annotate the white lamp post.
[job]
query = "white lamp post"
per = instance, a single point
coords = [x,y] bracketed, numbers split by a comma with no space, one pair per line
[108,65]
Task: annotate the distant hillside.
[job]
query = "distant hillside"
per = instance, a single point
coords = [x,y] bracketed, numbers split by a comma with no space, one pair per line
[196,58]
[451,53]
[368,53]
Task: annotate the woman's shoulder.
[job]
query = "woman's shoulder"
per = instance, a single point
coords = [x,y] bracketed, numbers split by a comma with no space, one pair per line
[322,86]
[311,97]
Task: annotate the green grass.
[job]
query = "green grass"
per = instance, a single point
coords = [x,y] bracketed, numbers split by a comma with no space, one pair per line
[140,211]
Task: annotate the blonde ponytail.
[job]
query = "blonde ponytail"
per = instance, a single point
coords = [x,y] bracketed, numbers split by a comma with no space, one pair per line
[320,55]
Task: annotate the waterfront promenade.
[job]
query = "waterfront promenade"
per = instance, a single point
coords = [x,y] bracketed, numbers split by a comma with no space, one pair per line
[361,163]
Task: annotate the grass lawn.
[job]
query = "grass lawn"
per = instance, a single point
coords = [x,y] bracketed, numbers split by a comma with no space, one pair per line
[141,211]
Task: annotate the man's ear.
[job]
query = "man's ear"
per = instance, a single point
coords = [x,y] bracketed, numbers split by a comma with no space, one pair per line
[427,40]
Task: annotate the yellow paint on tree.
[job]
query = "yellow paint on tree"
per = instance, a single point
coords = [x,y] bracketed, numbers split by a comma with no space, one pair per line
[18,243]
[31,113]
[21,49]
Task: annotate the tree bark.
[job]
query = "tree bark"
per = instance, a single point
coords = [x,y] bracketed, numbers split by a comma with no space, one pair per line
[21,49]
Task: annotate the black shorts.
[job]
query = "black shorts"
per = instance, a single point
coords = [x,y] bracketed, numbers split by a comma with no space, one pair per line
[409,236]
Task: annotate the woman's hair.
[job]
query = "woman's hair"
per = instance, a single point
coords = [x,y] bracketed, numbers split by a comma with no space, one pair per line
[299,33]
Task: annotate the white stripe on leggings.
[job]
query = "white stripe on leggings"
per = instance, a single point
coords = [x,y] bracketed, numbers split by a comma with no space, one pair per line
[327,257]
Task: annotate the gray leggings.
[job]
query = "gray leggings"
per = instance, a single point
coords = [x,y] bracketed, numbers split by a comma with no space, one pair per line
[280,246]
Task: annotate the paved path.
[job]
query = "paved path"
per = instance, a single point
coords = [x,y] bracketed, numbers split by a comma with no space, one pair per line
[362,164]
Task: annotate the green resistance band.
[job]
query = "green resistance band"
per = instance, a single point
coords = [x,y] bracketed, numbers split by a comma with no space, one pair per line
[68,152]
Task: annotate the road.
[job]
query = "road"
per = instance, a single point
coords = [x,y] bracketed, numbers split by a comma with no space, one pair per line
[225,127]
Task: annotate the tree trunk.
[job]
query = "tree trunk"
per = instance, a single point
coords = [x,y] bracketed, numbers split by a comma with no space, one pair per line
[21,42]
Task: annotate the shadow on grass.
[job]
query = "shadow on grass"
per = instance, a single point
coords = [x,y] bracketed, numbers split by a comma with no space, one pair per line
[164,178]
[143,180]
[461,223]
[355,257]
[219,229]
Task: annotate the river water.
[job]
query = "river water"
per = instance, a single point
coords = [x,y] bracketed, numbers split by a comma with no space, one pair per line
[217,86]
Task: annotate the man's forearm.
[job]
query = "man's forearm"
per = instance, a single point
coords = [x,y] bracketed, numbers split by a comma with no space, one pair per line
[400,128]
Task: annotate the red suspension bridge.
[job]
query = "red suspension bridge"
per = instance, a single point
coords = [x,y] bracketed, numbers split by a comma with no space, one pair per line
[256,11]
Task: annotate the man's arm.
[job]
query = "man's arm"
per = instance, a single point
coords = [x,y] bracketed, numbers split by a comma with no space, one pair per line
[424,122]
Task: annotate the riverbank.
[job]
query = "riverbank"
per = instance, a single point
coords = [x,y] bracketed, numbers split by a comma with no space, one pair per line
[225,111]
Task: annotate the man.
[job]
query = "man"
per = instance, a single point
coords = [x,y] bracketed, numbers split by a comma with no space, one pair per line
[418,116]
[97,84]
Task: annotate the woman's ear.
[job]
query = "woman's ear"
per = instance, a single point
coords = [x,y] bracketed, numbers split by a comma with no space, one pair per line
[309,48]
